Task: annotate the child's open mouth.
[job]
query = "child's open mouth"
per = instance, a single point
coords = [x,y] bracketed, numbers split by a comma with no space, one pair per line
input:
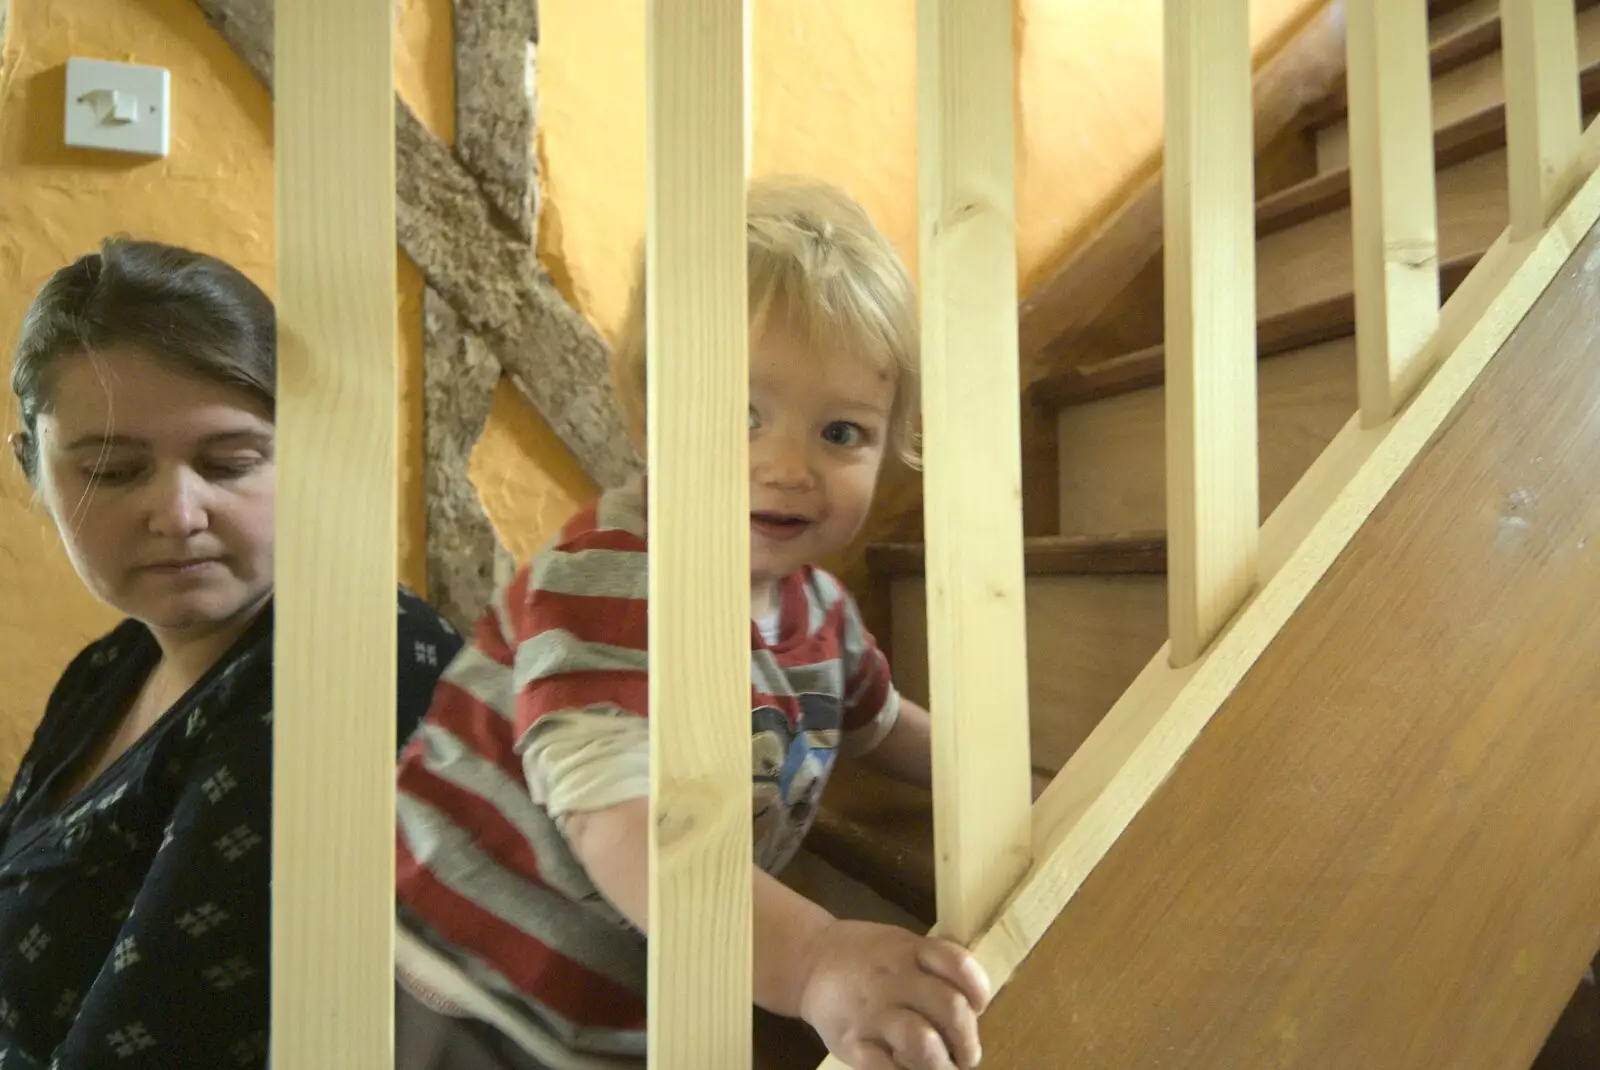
[779,525]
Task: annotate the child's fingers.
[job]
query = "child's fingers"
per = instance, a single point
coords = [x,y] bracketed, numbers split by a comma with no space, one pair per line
[916,1044]
[945,1007]
[868,1055]
[956,965]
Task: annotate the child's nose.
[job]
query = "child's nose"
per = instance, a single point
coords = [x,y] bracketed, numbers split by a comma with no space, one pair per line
[784,464]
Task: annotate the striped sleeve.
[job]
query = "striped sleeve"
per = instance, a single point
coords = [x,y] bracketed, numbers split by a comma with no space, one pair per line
[872,704]
[581,629]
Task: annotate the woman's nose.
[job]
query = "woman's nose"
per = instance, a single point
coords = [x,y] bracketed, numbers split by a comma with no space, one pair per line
[177,504]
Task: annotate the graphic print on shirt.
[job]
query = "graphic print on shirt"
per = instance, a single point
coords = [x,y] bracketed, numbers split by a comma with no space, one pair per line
[790,767]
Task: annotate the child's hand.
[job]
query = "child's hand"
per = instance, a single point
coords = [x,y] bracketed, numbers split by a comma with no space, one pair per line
[883,998]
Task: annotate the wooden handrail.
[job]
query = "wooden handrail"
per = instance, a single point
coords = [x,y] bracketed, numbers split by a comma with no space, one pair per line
[332,975]
[1146,734]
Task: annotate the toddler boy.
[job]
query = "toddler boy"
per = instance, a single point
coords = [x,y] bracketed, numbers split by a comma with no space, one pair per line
[523,799]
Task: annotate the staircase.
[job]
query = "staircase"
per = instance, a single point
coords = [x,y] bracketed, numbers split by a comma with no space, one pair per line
[1162,959]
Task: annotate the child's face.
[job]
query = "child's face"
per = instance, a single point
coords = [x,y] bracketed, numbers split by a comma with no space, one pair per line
[819,423]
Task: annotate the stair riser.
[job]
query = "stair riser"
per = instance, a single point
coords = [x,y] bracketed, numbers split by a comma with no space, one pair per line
[1462,92]
[1112,452]
[1312,261]
[1088,637]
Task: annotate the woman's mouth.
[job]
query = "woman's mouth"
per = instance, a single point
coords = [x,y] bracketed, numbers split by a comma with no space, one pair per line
[779,526]
[185,567]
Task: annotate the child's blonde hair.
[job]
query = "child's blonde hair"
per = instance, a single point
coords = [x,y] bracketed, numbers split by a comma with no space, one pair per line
[816,260]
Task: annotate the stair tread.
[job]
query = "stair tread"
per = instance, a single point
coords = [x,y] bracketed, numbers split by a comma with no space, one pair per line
[1484,131]
[880,832]
[1289,330]
[1472,41]
[1047,555]
[1319,321]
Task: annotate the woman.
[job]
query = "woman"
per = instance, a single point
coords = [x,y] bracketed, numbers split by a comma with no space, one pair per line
[135,841]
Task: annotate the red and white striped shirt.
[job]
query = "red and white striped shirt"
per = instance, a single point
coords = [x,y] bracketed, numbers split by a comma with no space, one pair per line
[545,713]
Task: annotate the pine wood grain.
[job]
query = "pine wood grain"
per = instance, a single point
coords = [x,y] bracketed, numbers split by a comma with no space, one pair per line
[699,506]
[1394,213]
[972,489]
[1056,314]
[1385,851]
[334,648]
[1542,111]
[1212,482]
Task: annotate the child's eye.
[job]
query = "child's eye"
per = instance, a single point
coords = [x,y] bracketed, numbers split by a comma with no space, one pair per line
[755,422]
[844,433]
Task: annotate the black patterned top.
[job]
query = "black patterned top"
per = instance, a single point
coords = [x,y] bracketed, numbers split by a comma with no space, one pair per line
[134,919]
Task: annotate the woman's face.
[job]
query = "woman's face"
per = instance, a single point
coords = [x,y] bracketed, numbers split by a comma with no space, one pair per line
[162,487]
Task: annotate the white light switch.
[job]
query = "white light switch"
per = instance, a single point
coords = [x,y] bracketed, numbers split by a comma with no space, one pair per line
[118,106]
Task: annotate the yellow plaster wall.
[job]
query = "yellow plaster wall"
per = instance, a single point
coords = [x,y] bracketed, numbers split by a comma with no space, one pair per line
[213,192]
[834,90]
[834,93]
[835,96]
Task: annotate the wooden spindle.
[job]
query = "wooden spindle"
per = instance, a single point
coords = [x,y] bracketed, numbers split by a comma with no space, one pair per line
[699,517]
[977,643]
[1393,214]
[1213,506]
[334,682]
[1543,122]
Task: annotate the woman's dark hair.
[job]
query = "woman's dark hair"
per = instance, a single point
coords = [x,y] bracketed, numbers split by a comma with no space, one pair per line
[191,310]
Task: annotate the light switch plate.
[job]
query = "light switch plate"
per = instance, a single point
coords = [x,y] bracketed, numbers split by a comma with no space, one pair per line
[120,107]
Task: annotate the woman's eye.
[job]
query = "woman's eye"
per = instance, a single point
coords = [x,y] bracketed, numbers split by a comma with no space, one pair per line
[112,475]
[232,468]
[844,433]
[754,422]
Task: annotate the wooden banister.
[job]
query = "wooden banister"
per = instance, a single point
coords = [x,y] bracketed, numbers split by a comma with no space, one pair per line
[699,522]
[334,648]
[1394,217]
[977,639]
[1212,483]
[1470,42]
[1542,108]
